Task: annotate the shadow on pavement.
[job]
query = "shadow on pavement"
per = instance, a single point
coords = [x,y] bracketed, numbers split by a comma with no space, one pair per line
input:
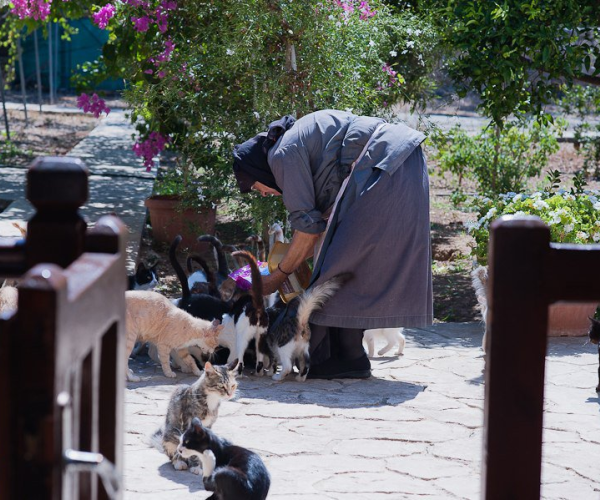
[184,477]
[347,393]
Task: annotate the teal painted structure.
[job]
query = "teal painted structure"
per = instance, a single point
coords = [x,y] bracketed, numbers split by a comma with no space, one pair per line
[85,46]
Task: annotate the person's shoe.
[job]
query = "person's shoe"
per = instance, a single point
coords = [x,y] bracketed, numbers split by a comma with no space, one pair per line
[341,368]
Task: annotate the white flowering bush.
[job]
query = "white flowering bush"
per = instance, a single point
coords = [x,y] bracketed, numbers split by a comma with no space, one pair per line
[573,216]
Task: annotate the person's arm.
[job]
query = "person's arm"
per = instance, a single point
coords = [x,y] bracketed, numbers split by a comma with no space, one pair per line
[301,248]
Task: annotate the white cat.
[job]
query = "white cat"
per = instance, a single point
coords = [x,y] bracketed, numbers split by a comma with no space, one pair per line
[479,279]
[392,336]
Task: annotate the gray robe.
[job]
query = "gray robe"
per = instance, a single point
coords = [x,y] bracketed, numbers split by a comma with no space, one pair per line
[381,229]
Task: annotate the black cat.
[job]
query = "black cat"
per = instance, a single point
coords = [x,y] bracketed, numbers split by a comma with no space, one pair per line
[231,472]
[594,335]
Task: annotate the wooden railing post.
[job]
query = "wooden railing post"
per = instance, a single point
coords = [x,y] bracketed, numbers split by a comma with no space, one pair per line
[56,187]
[514,388]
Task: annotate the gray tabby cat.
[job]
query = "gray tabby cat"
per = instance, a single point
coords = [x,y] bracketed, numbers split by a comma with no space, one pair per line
[202,400]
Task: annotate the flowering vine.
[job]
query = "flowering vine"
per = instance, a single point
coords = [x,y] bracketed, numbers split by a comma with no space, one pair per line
[149,148]
[92,104]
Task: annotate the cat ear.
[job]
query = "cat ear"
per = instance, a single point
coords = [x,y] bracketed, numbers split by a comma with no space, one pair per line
[208,367]
[233,365]
[197,424]
[215,323]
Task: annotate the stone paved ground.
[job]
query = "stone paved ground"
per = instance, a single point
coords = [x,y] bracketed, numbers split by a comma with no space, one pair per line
[414,430]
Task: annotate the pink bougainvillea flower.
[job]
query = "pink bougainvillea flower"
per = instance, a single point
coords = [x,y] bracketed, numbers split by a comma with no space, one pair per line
[149,148]
[365,11]
[92,104]
[34,9]
[141,24]
[102,17]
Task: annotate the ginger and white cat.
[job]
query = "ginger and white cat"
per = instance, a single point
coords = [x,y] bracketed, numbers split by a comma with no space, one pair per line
[151,317]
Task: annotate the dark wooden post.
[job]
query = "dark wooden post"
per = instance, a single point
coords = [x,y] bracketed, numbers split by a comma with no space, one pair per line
[527,274]
[69,326]
[56,187]
[513,403]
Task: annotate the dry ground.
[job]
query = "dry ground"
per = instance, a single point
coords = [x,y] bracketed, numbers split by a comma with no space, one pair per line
[45,134]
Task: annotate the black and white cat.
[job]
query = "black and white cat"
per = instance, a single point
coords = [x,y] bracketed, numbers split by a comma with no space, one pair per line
[594,335]
[201,280]
[144,278]
[200,305]
[222,267]
[200,400]
[229,471]
[287,339]
[250,318]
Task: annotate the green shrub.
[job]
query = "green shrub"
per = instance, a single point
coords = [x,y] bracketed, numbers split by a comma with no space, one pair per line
[573,216]
[498,160]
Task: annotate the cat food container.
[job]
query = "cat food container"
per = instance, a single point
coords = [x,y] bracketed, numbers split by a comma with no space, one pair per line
[296,282]
[243,275]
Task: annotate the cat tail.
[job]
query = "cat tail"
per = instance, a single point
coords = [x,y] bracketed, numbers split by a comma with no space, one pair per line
[260,246]
[230,249]
[222,267]
[155,440]
[257,288]
[210,276]
[314,298]
[185,289]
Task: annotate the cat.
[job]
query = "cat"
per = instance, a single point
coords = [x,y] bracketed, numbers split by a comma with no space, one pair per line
[248,312]
[222,267]
[230,471]
[201,281]
[200,400]
[197,280]
[200,305]
[594,335]
[479,279]
[151,317]
[275,234]
[392,336]
[9,298]
[260,246]
[144,278]
[287,340]
[227,286]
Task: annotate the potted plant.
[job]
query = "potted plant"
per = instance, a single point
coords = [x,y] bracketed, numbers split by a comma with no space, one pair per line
[573,216]
[181,204]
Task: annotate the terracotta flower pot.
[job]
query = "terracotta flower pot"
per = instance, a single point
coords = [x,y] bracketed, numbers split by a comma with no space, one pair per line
[570,319]
[168,221]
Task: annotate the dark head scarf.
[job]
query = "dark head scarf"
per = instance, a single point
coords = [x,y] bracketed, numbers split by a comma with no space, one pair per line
[250,158]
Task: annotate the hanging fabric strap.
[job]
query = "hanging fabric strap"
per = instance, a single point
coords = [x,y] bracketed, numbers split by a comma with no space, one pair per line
[333,210]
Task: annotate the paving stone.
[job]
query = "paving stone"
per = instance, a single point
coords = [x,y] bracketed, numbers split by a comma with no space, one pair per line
[413,430]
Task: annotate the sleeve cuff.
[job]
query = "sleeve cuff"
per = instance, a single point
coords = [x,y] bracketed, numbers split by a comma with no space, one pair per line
[308,222]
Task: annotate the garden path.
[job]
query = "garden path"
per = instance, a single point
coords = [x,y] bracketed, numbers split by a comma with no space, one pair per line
[414,430]
[118,182]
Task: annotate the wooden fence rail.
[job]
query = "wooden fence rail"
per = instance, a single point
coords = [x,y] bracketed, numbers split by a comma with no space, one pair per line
[61,353]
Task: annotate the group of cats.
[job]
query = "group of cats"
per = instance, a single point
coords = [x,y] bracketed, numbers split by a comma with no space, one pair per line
[479,279]
[211,312]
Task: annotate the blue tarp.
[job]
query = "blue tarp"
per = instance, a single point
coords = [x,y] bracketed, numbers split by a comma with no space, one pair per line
[85,46]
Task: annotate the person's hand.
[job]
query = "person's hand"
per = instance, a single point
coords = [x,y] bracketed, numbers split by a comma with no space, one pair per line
[272,282]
